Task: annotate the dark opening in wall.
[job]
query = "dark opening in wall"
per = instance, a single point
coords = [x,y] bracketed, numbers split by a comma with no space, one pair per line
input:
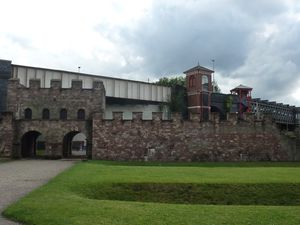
[29,144]
[63,114]
[46,114]
[81,114]
[28,114]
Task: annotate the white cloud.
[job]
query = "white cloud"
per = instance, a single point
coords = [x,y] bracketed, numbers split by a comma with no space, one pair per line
[253,42]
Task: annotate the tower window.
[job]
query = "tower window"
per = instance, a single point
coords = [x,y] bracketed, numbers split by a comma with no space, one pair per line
[81,114]
[63,114]
[46,114]
[192,81]
[28,114]
[205,83]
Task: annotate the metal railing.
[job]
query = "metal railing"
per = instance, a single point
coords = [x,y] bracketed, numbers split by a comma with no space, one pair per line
[283,114]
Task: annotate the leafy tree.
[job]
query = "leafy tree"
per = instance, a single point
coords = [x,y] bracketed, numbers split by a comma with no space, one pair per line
[228,103]
[171,81]
[178,98]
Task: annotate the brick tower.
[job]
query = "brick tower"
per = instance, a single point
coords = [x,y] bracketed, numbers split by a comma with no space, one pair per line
[199,89]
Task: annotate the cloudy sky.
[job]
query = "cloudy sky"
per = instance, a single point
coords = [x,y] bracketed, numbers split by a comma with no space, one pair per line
[255,43]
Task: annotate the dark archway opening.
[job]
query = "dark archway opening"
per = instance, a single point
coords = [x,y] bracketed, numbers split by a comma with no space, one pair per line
[32,144]
[74,145]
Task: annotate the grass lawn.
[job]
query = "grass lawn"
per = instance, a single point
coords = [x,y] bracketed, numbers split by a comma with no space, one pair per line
[122,193]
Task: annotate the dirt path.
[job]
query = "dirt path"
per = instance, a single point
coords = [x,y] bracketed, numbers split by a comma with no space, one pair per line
[17,178]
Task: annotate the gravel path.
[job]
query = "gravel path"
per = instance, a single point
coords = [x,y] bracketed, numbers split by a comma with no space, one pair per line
[17,178]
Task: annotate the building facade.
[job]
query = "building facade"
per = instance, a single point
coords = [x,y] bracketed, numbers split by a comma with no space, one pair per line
[36,117]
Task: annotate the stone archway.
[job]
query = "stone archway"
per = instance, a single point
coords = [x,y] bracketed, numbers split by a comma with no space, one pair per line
[29,144]
[74,144]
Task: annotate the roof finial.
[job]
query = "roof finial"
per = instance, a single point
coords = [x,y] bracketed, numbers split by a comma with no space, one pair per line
[198,63]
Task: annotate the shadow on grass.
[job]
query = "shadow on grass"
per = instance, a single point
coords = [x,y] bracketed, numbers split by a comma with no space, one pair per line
[215,194]
[199,164]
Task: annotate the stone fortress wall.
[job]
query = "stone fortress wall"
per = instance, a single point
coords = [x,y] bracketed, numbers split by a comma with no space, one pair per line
[6,134]
[15,125]
[136,139]
[54,99]
[190,140]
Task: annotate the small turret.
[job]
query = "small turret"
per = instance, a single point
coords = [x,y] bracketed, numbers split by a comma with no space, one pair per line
[244,94]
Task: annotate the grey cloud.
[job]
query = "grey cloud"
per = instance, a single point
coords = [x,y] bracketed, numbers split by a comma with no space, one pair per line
[174,37]
[272,66]
[261,9]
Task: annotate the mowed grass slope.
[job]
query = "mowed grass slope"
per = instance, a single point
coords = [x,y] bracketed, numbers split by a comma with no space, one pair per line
[67,198]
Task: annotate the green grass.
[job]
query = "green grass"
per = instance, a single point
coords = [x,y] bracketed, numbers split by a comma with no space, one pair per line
[217,194]
[67,199]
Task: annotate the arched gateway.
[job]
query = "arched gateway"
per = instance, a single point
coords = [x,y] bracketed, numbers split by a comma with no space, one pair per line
[74,144]
[29,144]
[57,113]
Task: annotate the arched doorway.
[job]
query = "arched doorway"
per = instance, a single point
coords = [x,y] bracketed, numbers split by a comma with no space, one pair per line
[32,144]
[74,144]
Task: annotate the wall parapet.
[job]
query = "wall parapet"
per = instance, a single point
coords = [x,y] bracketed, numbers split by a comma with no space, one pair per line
[54,99]
[232,119]
[188,140]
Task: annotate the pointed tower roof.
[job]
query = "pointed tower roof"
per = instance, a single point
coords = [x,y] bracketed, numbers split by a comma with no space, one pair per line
[241,87]
[198,67]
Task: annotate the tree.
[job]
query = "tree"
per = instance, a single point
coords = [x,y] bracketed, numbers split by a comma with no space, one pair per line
[171,81]
[228,103]
[178,98]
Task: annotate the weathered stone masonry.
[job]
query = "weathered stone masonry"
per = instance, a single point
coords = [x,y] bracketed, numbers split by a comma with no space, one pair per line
[136,139]
[14,125]
[178,140]
[6,134]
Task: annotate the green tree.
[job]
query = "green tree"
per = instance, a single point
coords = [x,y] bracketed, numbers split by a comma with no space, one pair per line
[171,81]
[228,103]
[178,98]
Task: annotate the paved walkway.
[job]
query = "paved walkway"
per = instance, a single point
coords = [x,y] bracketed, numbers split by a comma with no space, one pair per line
[17,178]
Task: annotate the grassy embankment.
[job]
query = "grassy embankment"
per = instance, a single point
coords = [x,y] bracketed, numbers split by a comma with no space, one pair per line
[170,193]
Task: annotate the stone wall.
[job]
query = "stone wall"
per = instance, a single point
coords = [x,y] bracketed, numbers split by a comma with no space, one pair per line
[55,98]
[53,133]
[136,139]
[178,140]
[53,129]
[6,134]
